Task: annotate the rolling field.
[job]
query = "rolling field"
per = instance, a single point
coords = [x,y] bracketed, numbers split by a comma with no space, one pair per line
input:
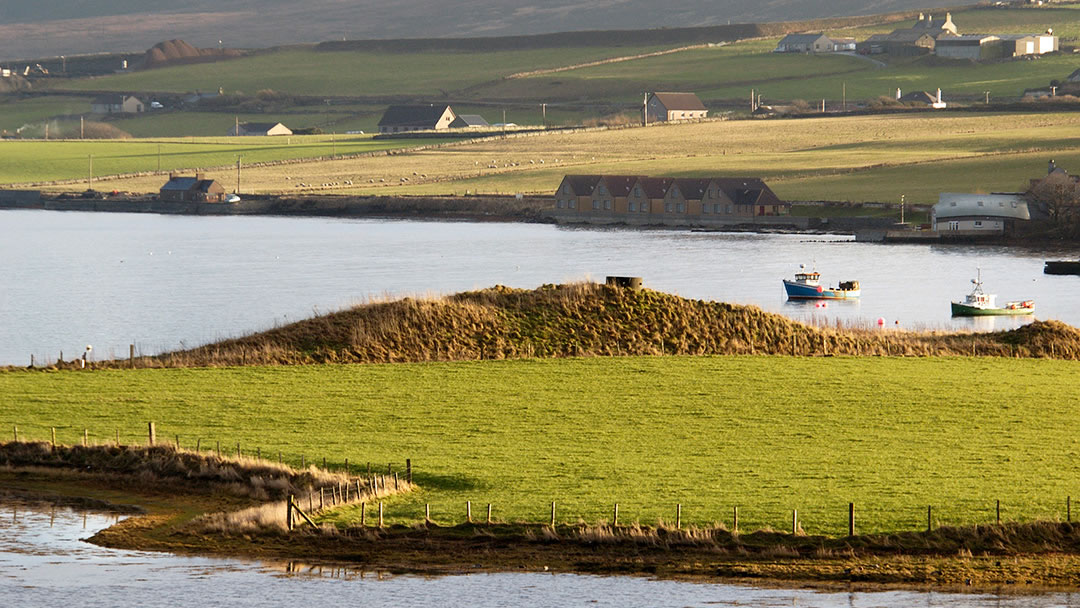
[892,435]
[38,160]
[860,158]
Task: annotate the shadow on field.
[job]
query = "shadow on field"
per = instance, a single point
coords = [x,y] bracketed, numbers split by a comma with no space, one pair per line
[430,481]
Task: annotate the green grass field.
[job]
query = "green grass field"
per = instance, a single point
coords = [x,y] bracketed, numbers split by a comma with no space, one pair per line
[38,160]
[15,113]
[768,434]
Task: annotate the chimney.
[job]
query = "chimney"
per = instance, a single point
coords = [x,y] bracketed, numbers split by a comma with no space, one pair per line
[200,176]
[939,94]
[1050,167]
[898,92]
[921,17]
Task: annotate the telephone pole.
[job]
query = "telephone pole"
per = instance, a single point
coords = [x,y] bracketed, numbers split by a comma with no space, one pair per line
[90,174]
[239,161]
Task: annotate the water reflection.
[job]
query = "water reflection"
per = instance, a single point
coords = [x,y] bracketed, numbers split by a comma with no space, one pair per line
[44,562]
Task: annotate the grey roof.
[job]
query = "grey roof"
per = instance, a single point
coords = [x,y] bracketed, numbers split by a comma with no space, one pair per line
[259,126]
[469,120]
[966,39]
[413,116]
[920,96]
[1004,206]
[181,183]
[110,99]
[801,38]
[680,101]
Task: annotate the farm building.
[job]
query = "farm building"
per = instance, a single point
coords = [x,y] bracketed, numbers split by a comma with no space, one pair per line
[804,43]
[981,213]
[918,39]
[722,198]
[666,107]
[195,189]
[115,103]
[469,121]
[971,46]
[432,117]
[260,129]
[1018,45]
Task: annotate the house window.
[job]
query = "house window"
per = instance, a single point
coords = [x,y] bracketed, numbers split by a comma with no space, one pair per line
[674,191]
[681,207]
[980,203]
[668,207]
[978,223]
[727,209]
[645,207]
[952,203]
[573,203]
[607,204]
[562,204]
[704,208]
[595,204]
[1013,204]
[566,189]
[632,206]
[637,190]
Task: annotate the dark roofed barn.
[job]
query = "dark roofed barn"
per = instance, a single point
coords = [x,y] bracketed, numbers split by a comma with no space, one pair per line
[188,189]
[432,117]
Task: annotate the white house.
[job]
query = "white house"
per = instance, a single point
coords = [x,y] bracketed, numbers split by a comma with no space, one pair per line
[982,213]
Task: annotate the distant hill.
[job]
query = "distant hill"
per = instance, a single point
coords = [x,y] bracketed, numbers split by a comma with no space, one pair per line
[41,29]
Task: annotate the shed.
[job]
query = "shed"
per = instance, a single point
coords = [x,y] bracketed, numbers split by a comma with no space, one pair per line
[469,121]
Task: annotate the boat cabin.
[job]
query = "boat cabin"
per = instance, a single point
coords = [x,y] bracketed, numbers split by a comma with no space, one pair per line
[808,278]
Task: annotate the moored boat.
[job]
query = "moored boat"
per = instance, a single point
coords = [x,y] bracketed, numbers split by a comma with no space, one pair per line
[1062,267]
[807,286]
[981,304]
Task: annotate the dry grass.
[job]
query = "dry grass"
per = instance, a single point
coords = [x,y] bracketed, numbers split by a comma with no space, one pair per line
[587,319]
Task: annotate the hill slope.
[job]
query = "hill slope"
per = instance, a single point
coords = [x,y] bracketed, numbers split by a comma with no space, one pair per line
[45,29]
[587,319]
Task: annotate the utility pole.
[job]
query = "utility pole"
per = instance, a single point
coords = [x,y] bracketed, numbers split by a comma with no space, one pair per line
[987,97]
[90,174]
[82,128]
[236,118]
[843,94]
[543,111]
[1053,91]
[901,208]
[159,158]
[239,162]
[333,140]
[753,99]
[504,120]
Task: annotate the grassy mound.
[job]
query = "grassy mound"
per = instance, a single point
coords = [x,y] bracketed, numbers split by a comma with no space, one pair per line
[587,319]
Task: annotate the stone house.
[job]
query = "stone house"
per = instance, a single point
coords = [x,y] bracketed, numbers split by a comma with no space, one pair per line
[716,198]
[804,43]
[669,107]
[116,104]
[195,189]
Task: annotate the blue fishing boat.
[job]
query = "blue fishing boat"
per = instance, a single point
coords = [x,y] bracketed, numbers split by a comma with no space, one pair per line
[807,286]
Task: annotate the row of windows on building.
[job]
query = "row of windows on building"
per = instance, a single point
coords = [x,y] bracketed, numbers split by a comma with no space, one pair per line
[634,207]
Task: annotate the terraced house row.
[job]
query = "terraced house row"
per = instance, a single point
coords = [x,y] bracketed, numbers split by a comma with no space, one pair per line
[638,197]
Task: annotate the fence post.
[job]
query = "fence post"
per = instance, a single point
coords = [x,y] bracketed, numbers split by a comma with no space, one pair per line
[553,514]
[324,463]
[178,442]
[427,512]
[219,449]
[238,449]
[131,355]
[321,502]
[16,430]
[615,516]
[1068,509]
[346,465]
[153,435]
[678,515]
[363,515]
[117,437]
[735,520]
[389,469]
[408,470]
[279,457]
[258,453]
[395,482]
[303,461]
[489,513]
[198,445]
[929,524]
[468,511]
[346,492]
[54,436]
[998,507]
[794,521]
[357,489]
[380,514]
[851,519]
[85,437]
[288,513]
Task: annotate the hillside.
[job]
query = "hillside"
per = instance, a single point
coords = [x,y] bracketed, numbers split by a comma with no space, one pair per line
[48,29]
[586,319]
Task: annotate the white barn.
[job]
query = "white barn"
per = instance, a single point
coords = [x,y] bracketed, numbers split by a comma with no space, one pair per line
[981,213]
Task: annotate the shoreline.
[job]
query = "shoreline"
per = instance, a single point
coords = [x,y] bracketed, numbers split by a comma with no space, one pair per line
[760,558]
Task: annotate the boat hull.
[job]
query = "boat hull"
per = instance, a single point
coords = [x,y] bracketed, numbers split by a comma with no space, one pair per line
[1061,267]
[963,310]
[798,291]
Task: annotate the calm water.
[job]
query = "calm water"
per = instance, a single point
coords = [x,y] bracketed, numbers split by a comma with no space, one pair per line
[43,563]
[162,282]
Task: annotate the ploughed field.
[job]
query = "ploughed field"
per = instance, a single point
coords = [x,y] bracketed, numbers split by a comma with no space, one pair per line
[765,433]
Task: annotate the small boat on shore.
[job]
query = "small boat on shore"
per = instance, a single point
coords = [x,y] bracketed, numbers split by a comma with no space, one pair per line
[1062,267]
[981,304]
[807,286]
